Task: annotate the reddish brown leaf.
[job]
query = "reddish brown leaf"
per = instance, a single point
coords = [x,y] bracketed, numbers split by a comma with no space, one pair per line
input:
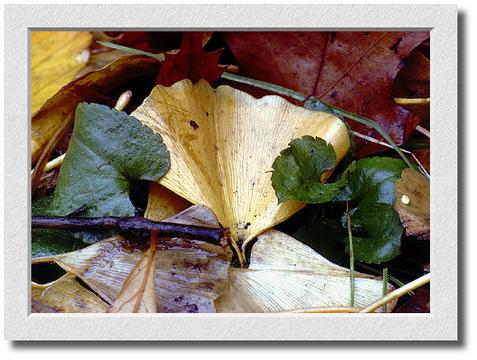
[418,303]
[351,70]
[152,41]
[191,62]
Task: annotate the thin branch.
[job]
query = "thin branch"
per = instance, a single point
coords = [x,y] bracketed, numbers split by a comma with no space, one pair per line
[412,101]
[385,287]
[373,140]
[111,45]
[423,131]
[351,255]
[330,309]
[423,280]
[217,236]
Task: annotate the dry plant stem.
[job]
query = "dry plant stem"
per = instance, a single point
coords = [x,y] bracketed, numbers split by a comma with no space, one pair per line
[385,287]
[351,256]
[159,57]
[239,252]
[373,140]
[217,236]
[48,150]
[423,131]
[412,101]
[123,100]
[423,280]
[324,310]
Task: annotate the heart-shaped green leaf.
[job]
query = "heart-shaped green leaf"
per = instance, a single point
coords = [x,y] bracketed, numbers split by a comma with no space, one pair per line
[108,151]
[376,226]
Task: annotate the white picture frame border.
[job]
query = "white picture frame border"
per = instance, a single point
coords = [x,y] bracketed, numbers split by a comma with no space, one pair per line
[440,324]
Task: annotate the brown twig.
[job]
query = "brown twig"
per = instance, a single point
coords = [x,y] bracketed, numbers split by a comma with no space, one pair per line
[217,236]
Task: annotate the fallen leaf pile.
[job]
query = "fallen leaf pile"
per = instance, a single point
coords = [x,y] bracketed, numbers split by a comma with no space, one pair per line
[292,186]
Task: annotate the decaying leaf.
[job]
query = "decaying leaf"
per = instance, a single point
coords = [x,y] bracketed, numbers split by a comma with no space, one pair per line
[92,87]
[189,275]
[351,70]
[67,295]
[191,62]
[56,58]
[413,203]
[286,275]
[223,143]
[138,293]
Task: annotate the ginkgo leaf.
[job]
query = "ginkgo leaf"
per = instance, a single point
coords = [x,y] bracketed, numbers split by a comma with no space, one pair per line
[56,58]
[92,87]
[188,274]
[67,294]
[138,293]
[286,275]
[223,143]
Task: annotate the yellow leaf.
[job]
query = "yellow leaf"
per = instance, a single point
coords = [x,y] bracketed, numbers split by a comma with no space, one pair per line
[56,59]
[286,275]
[138,293]
[223,143]
[91,87]
[67,295]
[188,274]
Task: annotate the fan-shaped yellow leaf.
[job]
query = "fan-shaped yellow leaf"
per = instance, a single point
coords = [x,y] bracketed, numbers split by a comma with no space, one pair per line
[286,275]
[223,143]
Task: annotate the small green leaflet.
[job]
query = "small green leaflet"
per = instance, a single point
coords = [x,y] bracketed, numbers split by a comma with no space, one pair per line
[298,170]
[108,151]
[377,230]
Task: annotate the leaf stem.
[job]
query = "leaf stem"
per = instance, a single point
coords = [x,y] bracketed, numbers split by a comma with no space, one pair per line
[385,287]
[282,91]
[217,236]
[111,45]
[397,293]
[351,255]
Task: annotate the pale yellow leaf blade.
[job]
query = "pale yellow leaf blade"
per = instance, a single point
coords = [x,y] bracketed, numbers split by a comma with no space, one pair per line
[56,59]
[223,142]
[138,294]
[67,295]
[286,275]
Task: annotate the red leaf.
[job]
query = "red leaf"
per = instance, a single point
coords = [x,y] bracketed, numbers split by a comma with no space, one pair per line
[191,62]
[418,303]
[351,70]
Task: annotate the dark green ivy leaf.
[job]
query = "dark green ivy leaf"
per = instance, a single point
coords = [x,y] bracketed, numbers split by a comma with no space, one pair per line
[298,170]
[108,151]
[377,230]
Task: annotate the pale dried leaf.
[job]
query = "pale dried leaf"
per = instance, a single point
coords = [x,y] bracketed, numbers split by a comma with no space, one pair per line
[414,208]
[138,292]
[286,275]
[189,275]
[223,143]
[66,295]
